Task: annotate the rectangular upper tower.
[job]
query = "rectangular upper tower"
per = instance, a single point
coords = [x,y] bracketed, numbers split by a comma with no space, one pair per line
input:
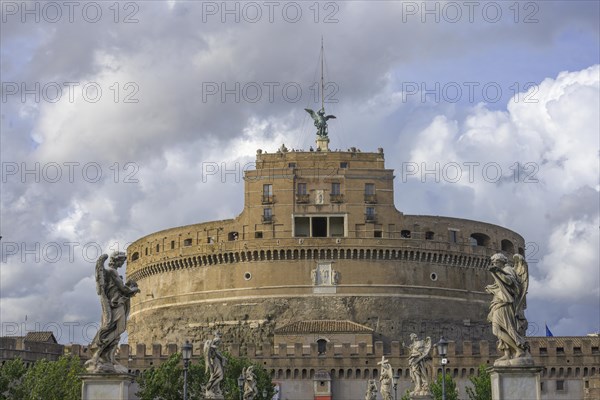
[319,194]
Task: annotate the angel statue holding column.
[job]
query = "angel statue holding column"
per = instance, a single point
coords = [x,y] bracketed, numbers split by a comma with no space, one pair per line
[417,359]
[507,309]
[114,298]
[215,365]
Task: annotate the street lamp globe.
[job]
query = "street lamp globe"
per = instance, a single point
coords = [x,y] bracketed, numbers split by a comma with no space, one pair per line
[442,347]
[186,351]
[186,354]
[240,382]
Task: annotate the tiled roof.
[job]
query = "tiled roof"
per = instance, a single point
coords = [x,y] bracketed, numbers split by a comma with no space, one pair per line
[46,337]
[323,326]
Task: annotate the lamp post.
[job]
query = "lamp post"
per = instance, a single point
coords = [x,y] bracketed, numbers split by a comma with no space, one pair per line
[395,382]
[264,393]
[442,348]
[240,381]
[186,351]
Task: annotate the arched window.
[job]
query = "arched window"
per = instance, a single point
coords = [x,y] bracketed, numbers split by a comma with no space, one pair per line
[480,239]
[507,246]
[322,346]
[135,256]
[232,236]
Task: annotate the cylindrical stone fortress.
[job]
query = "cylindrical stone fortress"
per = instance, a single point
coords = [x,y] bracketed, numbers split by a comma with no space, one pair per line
[319,239]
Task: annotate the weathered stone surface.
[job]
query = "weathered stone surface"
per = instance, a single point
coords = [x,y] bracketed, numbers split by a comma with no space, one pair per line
[99,386]
[516,383]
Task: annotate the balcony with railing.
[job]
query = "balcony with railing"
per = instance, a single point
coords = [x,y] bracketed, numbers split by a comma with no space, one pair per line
[302,198]
[336,198]
[370,217]
[268,199]
[370,198]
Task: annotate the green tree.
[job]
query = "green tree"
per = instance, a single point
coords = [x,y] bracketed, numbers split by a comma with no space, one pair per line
[234,370]
[451,390]
[12,373]
[406,395]
[54,380]
[482,385]
[166,381]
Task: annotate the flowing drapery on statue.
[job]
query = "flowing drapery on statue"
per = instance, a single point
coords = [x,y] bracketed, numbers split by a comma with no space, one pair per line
[115,298]
[215,364]
[371,393]
[417,359]
[507,310]
[250,389]
[385,379]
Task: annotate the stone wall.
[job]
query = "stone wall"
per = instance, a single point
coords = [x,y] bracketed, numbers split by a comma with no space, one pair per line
[568,363]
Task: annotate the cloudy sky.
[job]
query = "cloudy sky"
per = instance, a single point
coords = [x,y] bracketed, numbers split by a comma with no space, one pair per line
[113,115]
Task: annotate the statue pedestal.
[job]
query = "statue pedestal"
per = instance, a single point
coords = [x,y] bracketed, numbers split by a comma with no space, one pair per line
[421,397]
[213,397]
[322,143]
[106,386]
[516,383]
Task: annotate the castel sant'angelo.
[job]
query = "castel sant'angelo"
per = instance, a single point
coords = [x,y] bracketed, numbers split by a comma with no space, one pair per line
[320,275]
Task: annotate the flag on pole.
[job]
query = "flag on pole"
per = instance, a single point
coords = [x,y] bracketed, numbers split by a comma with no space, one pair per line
[548,333]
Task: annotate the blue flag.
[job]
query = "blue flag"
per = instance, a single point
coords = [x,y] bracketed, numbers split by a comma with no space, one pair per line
[548,333]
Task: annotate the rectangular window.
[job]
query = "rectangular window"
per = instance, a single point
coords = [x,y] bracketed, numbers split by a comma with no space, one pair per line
[319,227]
[267,197]
[453,236]
[343,165]
[258,235]
[560,385]
[301,226]
[370,197]
[301,188]
[377,234]
[292,165]
[187,242]
[370,214]
[335,188]
[267,215]
[336,226]
[172,244]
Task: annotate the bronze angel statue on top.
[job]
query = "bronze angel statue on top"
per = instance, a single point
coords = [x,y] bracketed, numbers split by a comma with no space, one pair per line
[320,121]
[507,310]
[114,299]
